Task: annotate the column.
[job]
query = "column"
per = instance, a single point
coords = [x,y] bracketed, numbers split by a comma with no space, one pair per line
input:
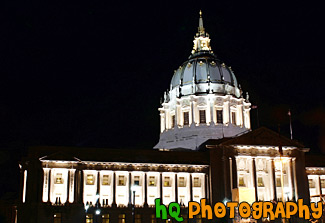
[295,177]
[234,172]
[160,187]
[114,190]
[176,115]
[292,181]
[176,188]
[81,187]
[212,111]
[273,180]
[49,182]
[226,117]
[226,167]
[207,188]
[254,178]
[130,189]
[72,186]
[229,111]
[320,187]
[191,187]
[208,112]
[240,115]
[46,185]
[145,190]
[76,185]
[195,113]
[162,121]
[167,118]
[192,113]
[68,188]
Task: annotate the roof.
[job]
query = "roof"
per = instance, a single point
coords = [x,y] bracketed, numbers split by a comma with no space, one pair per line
[118,155]
[315,160]
[259,137]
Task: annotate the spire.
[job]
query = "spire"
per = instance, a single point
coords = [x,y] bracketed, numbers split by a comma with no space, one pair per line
[201,39]
[201,28]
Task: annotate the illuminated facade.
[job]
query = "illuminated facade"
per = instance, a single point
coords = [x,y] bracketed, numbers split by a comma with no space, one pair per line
[206,150]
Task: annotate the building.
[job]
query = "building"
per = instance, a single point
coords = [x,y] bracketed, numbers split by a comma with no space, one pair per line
[206,150]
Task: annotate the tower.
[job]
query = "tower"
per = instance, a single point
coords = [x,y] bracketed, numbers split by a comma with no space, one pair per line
[204,100]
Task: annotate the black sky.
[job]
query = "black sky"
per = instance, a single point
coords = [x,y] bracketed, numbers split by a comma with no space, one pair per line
[92,73]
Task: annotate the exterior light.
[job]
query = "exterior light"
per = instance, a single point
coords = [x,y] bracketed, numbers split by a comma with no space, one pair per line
[225,201]
[134,188]
[97,212]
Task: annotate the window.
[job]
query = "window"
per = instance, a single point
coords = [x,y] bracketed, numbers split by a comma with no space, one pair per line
[121,218]
[186,118]
[197,182]
[173,121]
[322,183]
[137,218]
[90,179]
[278,181]
[167,182]
[311,183]
[89,218]
[121,180]
[105,180]
[136,181]
[260,182]
[152,181]
[105,218]
[153,218]
[57,218]
[181,182]
[58,178]
[219,116]
[202,116]
[241,181]
[233,118]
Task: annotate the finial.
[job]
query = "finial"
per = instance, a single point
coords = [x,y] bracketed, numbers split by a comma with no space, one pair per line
[201,28]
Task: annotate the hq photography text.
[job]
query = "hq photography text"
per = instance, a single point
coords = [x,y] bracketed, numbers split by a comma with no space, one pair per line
[256,210]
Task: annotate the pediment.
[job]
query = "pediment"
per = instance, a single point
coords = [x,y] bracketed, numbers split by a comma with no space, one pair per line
[60,156]
[264,137]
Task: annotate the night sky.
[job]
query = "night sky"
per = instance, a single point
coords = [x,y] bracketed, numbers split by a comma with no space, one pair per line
[92,73]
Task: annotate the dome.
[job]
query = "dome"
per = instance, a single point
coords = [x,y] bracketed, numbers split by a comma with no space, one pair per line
[203,73]
[204,100]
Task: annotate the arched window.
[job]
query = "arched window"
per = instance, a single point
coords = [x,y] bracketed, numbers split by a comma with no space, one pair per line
[186,118]
[89,218]
[105,218]
[137,218]
[219,116]
[153,219]
[121,218]
[202,116]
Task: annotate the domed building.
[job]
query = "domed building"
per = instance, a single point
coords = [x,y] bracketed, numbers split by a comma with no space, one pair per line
[206,150]
[204,101]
